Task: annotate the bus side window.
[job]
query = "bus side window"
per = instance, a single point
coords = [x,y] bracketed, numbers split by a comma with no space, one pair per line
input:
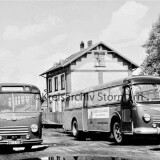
[66,103]
[116,94]
[85,100]
[70,102]
[73,102]
[90,99]
[78,100]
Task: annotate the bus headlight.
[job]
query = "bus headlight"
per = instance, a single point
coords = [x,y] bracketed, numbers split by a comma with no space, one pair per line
[34,128]
[146,117]
[1,138]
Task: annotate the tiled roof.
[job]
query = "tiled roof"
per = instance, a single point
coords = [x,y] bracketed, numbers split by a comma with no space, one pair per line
[62,63]
[79,54]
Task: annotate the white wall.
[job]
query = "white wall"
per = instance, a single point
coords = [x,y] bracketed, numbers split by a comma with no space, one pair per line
[85,74]
[81,80]
[88,63]
[111,76]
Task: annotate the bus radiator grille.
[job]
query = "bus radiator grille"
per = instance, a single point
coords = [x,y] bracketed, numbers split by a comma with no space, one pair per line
[14,130]
[156,118]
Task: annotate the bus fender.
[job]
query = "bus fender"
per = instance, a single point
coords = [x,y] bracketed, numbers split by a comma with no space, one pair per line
[73,119]
[115,117]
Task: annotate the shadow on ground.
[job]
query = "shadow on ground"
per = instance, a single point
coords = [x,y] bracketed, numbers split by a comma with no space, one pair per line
[129,140]
[12,150]
[77,158]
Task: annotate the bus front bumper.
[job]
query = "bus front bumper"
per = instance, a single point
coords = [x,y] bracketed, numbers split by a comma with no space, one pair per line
[21,142]
[146,130]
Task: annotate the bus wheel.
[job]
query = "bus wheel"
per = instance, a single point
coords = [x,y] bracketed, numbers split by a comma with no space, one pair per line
[7,149]
[28,148]
[75,129]
[117,134]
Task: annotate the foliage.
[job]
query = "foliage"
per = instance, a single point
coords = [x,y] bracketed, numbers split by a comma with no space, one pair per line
[151,64]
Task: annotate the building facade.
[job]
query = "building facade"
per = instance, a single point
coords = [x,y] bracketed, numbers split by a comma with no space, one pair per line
[96,64]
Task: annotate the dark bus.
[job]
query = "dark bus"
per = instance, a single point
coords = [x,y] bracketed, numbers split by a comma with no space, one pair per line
[20,116]
[130,106]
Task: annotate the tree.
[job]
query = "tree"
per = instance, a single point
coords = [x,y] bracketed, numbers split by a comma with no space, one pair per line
[151,64]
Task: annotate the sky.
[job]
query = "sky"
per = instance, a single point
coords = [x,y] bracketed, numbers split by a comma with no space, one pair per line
[35,34]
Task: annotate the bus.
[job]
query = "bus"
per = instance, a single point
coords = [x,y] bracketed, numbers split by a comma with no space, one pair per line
[130,106]
[20,116]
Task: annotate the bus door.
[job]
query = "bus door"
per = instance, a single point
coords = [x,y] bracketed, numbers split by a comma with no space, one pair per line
[126,110]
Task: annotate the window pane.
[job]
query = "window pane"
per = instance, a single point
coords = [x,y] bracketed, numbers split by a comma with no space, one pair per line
[62,82]
[50,85]
[115,94]
[19,102]
[56,83]
[146,92]
[99,58]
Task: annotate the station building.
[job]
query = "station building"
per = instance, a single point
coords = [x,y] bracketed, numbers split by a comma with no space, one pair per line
[92,65]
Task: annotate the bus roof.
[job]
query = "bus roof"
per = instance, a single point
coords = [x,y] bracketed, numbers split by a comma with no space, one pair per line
[105,85]
[142,79]
[131,79]
[98,87]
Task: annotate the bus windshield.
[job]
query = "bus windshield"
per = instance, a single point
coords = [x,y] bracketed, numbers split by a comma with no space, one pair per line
[146,92]
[19,102]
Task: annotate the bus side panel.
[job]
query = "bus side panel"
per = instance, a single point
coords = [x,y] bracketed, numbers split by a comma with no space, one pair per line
[98,118]
[67,120]
[69,115]
[85,119]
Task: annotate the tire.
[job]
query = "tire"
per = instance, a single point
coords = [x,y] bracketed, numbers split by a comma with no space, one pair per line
[28,148]
[75,131]
[7,149]
[117,134]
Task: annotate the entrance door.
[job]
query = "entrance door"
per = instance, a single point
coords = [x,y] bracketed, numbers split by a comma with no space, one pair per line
[126,110]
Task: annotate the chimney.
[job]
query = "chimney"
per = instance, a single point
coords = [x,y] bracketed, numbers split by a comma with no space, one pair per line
[89,43]
[82,45]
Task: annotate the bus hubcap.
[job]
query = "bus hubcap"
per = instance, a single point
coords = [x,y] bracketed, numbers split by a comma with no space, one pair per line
[117,133]
[74,129]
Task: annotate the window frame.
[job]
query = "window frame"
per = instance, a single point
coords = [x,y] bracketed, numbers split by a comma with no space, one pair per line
[62,82]
[50,85]
[56,83]
[99,58]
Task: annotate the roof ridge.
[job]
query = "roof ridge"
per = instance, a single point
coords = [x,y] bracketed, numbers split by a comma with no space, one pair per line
[78,54]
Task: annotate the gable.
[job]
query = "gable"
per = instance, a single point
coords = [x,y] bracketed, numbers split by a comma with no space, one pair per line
[83,53]
[100,58]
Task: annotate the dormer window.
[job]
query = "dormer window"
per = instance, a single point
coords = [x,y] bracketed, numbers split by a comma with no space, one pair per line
[99,59]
